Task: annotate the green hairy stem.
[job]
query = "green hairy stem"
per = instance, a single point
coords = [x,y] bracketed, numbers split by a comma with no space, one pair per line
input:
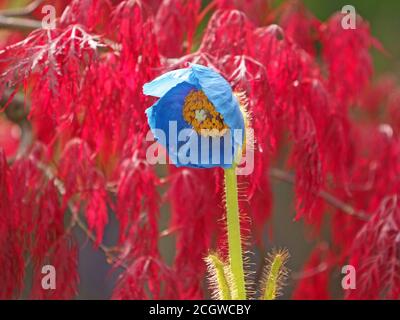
[234,237]
[272,277]
[219,277]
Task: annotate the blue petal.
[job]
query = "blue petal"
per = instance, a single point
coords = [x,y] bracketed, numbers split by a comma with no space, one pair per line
[169,108]
[219,92]
[162,84]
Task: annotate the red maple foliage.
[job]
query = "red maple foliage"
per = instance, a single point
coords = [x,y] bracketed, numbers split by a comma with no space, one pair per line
[82,146]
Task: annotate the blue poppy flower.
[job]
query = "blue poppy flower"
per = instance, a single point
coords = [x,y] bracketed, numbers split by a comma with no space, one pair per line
[197,118]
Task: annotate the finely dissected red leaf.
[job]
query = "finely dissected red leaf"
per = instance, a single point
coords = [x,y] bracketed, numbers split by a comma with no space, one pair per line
[63,256]
[11,249]
[137,180]
[179,18]
[346,53]
[194,204]
[33,223]
[256,10]
[228,33]
[83,182]
[375,254]
[289,71]
[55,55]
[314,278]
[89,13]
[300,25]
[146,272]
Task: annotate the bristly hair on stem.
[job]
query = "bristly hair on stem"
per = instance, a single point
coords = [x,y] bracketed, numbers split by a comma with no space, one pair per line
[275,273]
[234,235]
[219,277]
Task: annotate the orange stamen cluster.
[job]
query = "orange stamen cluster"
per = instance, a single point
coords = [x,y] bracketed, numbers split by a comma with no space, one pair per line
[200,113]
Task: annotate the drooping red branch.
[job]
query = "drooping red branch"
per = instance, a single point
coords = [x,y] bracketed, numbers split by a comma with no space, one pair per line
[329,198]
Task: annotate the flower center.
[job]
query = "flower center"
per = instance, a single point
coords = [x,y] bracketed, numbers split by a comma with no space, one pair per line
[200,113]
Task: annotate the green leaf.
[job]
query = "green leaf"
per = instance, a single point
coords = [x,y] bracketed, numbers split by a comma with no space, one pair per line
[219,278]
[274,274]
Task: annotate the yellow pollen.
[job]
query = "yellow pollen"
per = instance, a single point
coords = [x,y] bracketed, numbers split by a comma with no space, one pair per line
[200,113]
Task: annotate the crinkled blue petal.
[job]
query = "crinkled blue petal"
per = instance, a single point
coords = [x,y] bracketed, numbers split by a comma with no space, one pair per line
[219,92]
[169,108]
[162,84]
